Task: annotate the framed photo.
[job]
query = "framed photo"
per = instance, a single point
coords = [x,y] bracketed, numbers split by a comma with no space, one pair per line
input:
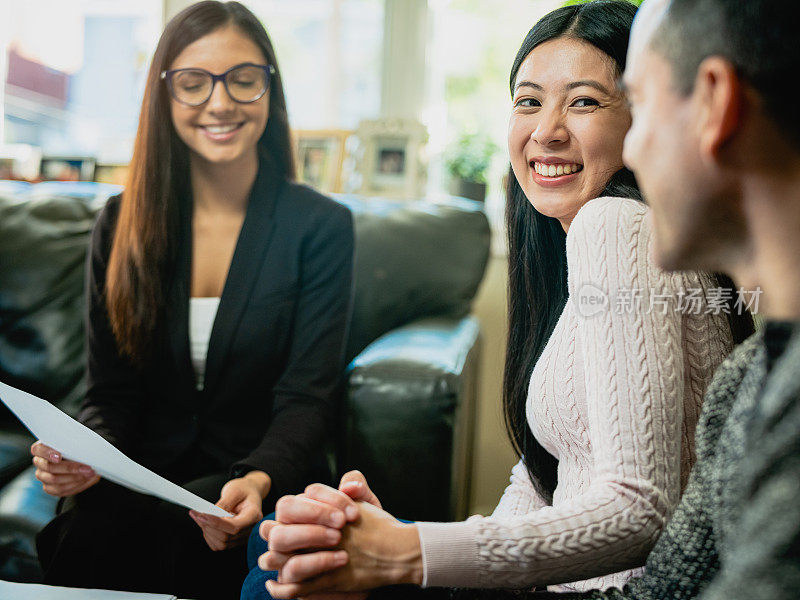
[7,170]
[390,160]
[116,174]
[319,154]
[20,162]
[68,168]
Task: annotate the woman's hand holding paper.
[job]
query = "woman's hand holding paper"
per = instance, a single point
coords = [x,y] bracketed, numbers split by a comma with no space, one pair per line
[242,497]
[61,477]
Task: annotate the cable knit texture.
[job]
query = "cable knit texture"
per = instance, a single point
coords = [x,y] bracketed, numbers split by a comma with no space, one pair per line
[615,397]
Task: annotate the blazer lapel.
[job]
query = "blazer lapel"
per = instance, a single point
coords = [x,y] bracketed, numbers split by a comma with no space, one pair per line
[251,249]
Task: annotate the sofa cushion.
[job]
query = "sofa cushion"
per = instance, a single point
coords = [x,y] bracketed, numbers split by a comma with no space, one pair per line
[414,259]
[408,414]
[15,454]
[24,510]
[44,233]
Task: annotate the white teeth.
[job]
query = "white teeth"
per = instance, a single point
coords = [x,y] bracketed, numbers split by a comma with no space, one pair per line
[220,128]
[556,170]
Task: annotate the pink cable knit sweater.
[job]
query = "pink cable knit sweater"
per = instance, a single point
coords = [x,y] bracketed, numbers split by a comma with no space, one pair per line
[615,397]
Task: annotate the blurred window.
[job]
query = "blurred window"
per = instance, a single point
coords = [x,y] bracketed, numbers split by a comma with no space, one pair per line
[329,53]
[74,74]
[473,45]
[74,71]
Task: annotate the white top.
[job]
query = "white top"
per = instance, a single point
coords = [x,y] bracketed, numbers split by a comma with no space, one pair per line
[202,312]
[615,397]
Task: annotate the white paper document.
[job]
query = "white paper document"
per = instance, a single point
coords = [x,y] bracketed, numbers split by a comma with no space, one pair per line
[34,591]
[79,443]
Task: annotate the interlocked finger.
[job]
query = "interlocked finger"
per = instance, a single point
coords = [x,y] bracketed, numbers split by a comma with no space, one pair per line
[290,538]
[301,567]
[304,510]
[272,560]
[285,591]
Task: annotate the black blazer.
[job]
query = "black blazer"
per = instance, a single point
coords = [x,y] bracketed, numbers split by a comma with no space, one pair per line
[275,356]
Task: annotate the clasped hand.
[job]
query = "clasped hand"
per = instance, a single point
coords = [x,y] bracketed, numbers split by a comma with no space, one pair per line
[328,540]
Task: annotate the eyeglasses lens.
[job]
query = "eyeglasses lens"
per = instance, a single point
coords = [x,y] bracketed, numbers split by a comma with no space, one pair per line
[244,84]
[191,87]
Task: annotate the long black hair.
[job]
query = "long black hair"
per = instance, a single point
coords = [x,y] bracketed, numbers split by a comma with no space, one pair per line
[537,257]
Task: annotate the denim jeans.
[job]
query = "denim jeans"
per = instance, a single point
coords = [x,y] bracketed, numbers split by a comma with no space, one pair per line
[254,586]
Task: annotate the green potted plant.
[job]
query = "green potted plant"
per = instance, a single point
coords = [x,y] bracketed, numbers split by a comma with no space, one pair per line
[468,161]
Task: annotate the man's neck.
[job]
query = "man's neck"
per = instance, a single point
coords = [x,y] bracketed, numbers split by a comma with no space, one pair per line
[771,203]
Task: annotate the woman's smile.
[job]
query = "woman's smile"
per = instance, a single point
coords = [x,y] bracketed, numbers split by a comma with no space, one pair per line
[221,132]
[554,172]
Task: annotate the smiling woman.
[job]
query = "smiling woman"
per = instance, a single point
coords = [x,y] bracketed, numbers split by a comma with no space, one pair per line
[220,123]
[186,373]
[567,126]
[600,402]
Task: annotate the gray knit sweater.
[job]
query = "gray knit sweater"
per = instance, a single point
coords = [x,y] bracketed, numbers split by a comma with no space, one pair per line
[736,532]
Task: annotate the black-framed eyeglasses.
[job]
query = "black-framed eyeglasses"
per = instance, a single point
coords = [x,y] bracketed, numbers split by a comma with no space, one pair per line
[244,83]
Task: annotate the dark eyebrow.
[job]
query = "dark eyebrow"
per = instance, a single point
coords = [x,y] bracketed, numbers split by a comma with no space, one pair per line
[535,86]
[570,86]
[590,83]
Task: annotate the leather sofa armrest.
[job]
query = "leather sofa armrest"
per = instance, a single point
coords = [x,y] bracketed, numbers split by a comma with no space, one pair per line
[15,453]
[24,510]
[409,416]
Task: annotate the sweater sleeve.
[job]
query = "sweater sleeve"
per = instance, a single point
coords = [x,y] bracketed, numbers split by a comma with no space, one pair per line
[634,394]
[520,497]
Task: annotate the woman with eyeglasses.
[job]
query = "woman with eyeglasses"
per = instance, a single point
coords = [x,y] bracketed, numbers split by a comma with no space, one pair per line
[218,300]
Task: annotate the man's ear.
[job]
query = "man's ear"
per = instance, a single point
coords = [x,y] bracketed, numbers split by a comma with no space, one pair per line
[718,91]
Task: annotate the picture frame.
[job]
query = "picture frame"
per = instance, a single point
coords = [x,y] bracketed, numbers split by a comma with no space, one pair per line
[7,168]
[319,155]
[19,162]
[68,168]
[116,174]
[391,158]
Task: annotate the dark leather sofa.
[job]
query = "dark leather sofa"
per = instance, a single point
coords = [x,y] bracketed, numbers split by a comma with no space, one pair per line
[408,404]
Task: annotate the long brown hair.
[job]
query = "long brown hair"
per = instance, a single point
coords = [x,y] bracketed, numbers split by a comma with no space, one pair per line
[146,239]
